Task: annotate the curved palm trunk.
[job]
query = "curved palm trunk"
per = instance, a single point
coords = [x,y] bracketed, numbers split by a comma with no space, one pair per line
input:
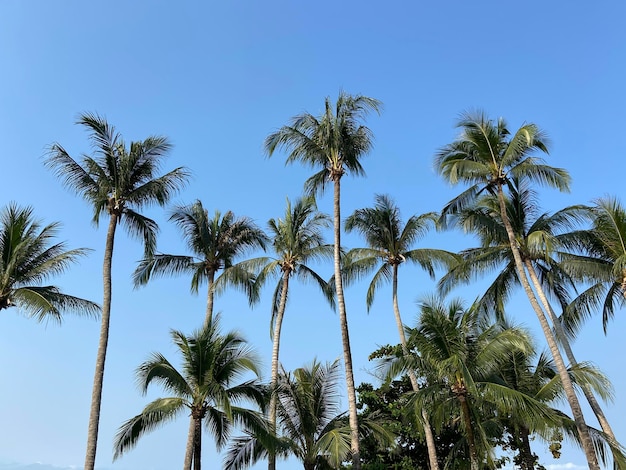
[96,394]
[563,341]
[469,431]
[271,461]
[428,432]
[568,387]
[209,299]
[560,334]
[189,446]
[345,336]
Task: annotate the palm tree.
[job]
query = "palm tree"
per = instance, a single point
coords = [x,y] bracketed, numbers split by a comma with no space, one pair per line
[601,261]
[539,236]
[334,143]
[297,240]
[28,257]
[487,157]
[459,353]
[540,381]
[208,386]
[214,244]
[389,246]
[117,181]
[313,428]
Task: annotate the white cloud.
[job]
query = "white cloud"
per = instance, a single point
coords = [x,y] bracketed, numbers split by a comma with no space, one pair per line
[566,466]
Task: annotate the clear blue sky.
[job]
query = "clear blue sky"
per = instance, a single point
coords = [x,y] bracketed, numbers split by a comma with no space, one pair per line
[217,78]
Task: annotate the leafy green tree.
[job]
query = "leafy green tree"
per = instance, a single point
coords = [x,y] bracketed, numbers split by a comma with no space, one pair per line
[333,143]
[117,181]
[215,243]
[390,245]
[208,386]
[28,257]
[313,429]
[388,403]
[488,157]
[297,239]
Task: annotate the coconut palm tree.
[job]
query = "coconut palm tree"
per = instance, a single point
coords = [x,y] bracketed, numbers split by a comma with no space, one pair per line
[313,428]
[118,180]
[214,244]
[390,242]
[600,261]
[28,257]
[333,143]
[459,353]
[207,386]
[541,239]
[539,379]
[297,240]
[487,157]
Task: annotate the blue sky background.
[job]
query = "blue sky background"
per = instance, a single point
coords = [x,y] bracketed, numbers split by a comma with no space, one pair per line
[217,78]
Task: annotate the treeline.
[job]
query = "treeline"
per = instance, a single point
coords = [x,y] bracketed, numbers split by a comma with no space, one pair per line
[462,382]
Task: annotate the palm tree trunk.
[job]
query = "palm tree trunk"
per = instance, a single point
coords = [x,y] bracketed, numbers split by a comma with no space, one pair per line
[428,432]
[345,336]
[207,320]
[197,445]
[189,446]
[526,458]
[563,341]
[96,394]
[469,432]
[209,299]
[271,461]
[568,387]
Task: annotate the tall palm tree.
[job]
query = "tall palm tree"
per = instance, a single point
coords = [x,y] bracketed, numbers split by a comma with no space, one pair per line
[207,386]
[28,257]
[487,157]
[313,428]
[334,143]
[541,238]
[297,240]
[390,243]
[117,181]
[214,243]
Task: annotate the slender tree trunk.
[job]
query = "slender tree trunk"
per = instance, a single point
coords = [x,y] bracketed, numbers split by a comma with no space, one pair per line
[96,394]
[469,431]
[189,446]
[564,342]
[345,336]
[568,387]
[209,299]
[428,432]
[197,445]
[271,461]
[207,320]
